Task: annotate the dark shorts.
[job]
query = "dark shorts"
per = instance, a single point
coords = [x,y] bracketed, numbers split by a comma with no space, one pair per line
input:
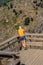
[23,38]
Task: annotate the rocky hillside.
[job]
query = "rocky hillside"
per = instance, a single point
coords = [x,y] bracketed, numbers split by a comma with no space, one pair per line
[15,12]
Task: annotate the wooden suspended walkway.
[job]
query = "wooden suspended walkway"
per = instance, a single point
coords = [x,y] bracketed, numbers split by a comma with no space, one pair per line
[31,56]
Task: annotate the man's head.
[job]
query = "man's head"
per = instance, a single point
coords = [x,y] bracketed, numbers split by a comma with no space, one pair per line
[20,27]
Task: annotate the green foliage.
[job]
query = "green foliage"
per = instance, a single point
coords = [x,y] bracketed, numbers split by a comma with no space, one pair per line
[17,26]
[27,21]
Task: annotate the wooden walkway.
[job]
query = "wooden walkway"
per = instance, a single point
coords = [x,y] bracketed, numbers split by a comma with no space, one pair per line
[31,57]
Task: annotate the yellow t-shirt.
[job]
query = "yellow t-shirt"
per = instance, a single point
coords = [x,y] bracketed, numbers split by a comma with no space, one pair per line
[21,32]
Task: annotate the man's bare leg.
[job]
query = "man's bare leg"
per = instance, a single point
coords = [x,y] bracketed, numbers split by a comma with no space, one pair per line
[24,44]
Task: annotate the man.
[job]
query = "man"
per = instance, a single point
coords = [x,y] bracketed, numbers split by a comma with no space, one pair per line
[22,37]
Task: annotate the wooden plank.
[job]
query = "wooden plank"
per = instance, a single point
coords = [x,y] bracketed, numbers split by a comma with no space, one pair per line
[35,34]
[35,39]
[32,57]
[35,43]
[7,53]
[29,56]
[8,40]
[27,34]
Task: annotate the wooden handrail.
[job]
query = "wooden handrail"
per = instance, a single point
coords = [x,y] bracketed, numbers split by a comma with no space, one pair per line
[2,48]
[27,34]
[8,54]
[35,34]
[35,44]
[8,40]
[36,39]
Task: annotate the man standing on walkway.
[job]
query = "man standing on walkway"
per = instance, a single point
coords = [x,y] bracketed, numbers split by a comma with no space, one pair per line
[22,37]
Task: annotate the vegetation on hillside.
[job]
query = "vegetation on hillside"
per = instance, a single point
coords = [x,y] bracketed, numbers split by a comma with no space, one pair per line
[19,12]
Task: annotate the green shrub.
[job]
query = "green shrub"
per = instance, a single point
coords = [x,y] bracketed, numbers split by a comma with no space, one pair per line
[27,21]
[17,26]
